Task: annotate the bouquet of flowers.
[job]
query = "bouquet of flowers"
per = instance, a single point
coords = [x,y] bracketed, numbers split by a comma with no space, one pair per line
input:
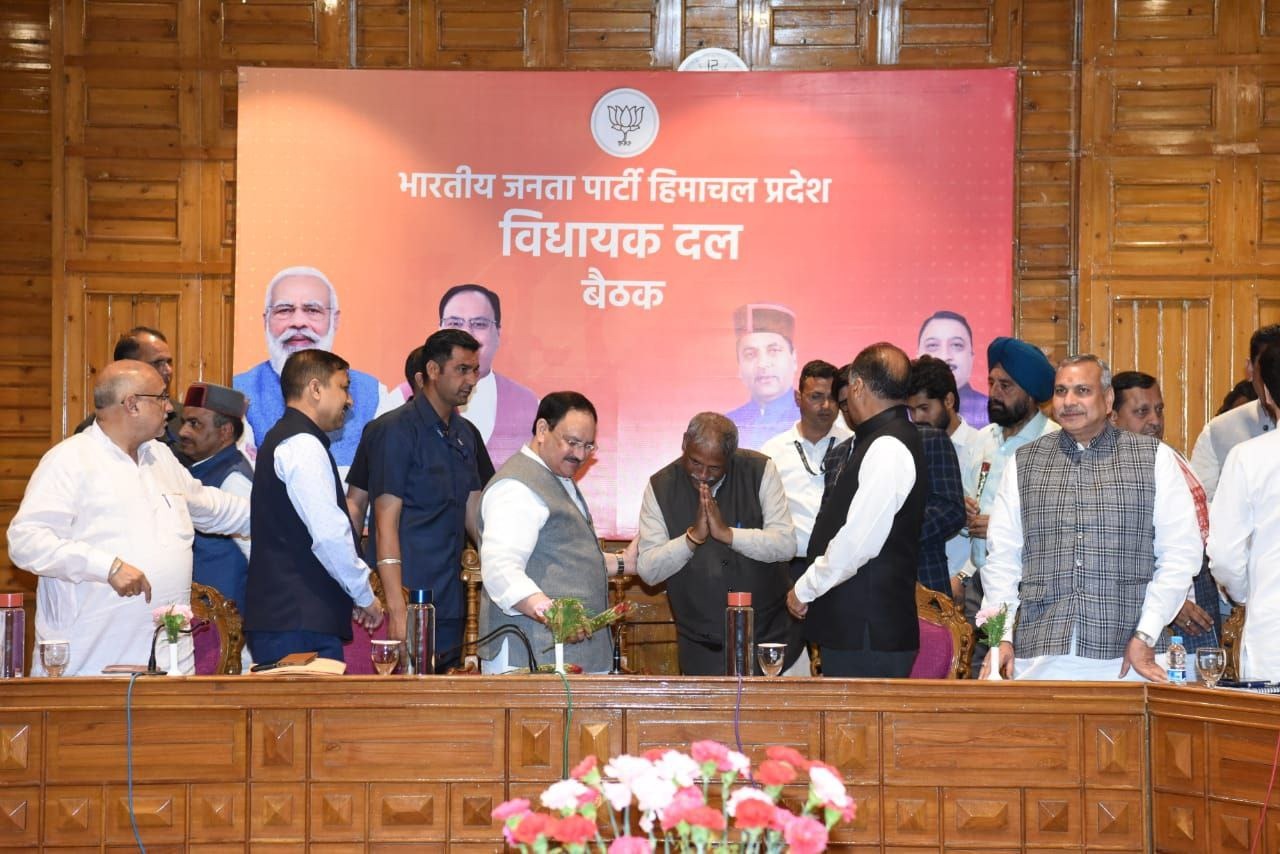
[992,622]
[669,795]
[175,619]
[567,617]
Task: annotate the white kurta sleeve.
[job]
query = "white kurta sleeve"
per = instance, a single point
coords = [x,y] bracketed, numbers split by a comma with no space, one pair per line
[513,518]
[1231,526]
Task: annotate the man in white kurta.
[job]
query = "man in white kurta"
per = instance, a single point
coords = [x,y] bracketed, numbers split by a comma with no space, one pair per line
[107,524]
[1244,536]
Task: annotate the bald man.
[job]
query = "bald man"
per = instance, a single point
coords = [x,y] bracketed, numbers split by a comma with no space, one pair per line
[107,526]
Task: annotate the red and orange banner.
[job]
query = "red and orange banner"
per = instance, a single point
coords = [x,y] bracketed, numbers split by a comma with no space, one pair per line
[664,243]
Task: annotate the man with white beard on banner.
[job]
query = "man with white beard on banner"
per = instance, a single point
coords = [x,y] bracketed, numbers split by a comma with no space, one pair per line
[301,313]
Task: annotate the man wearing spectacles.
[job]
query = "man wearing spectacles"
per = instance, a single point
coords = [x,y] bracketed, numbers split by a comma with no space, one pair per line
[712,522]
[800,453]
[500,407]
[107,524]
[540,542]
[301,313]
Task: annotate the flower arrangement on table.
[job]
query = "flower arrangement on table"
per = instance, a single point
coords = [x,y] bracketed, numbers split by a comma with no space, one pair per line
[992,623]
[173,620]
[568,618]
[667,793]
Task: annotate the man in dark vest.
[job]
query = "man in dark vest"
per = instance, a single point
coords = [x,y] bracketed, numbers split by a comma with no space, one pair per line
[305,574]
[858,596]
[211,423]
[1093,541]
[540,542]
[713,521]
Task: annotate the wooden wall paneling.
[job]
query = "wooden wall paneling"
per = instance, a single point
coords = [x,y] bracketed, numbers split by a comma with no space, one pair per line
[218,812]
[910,816]
[812,34]
[1232,826]
[275,32]
[1043,314]
[72,815]
[386,33]
[152,110]
[982,818]
[619,34]
[1181,824]
[951,32]
[1125,28]
[470,808]
[1115,820]
[408,812]
[128,31]
[20,809]
[490,34]
[1169,110]
[1053,817]
[677,728]
[159,810]
[715,23]
[1049,33]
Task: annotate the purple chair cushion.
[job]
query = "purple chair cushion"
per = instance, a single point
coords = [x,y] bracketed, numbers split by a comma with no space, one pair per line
[208,648]
[356,651]
[934,659]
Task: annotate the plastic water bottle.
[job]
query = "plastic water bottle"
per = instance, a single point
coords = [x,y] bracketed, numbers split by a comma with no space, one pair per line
[739,636]
[1177,661]
[420,634]
[13,636]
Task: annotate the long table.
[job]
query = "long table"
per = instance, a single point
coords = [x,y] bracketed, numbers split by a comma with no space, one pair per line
[261,764]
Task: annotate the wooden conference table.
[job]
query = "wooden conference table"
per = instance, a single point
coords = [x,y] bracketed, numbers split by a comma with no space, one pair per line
[274,763]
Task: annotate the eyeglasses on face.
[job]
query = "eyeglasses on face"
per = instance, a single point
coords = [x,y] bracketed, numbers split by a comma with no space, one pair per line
[310,310]
[475,324]
[163,397]
[577,445]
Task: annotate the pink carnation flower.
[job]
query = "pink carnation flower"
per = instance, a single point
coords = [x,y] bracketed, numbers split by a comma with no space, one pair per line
[805,835]
[507,809]
[630,845]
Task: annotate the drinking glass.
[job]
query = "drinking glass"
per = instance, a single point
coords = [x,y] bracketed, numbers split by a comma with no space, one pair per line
[55,655]
[385,655]
[1210,662]
[770,657]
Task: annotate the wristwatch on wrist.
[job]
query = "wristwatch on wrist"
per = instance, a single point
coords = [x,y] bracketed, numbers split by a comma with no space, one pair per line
[115,567]
[622,566]
[1144,637]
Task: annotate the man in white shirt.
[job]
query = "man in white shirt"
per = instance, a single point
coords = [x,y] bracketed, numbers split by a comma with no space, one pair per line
[307,582]
[109,514]
[1240,424]
[934,400]
[800,453]
[858,596]
[712,522]
[539,542]
[1244,535]
[1093,542]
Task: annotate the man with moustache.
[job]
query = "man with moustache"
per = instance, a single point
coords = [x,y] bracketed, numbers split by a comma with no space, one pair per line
[106,525]
[766,365]
[712,522]
[212,421]
[1093,541]
[500,407]
[423,475]
[306,579]
[301,313]
[1139,408]
[799,453]
[540,542]
[858,596]
[1021,378]
[946,335]
[1238,425]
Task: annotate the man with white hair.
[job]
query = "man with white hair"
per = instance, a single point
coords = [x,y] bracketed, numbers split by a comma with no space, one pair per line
[301,313]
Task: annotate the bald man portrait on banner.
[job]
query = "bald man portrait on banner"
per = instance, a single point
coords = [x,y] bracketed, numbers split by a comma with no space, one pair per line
[766,353]
[301,313]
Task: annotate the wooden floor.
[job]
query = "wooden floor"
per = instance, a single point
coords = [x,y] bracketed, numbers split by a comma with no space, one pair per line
[368,764]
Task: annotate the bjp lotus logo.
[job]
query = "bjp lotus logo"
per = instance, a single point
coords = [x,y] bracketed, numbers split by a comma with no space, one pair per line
[624,122]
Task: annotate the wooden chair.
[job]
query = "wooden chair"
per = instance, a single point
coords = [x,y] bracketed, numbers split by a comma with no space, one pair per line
[946,638]
[1232,632]
[473,586]
[356,651]
[219,644]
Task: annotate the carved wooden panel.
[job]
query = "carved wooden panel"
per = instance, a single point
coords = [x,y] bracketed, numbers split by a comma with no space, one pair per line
[1258,106]
[616,34]
[89,747]
[1232,826]
[141,209]
[385,33]
[1047,102]
[1053,817]
[1048,32]
[159,810]
[1168,212]
[72,815]
[853,744]
[1115,819]
[21,741]
[910,816]
[1146,27]
[119,28]
[19,816]
[1114,751]
[470,806]
[595,732]
[132,110]
[491,34]
[759,729]
[279,744]
[919,749]
[949,32]
[1258,202]
[408,811]
[277,812]
[338,812]
[982,817]
[537,740]
[395,744]
[1046,217]
[279,32]
[218,812]
[1178,110]
[1177,755]
[813,34]
[1181,823]
[714,23]
[1240,761]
